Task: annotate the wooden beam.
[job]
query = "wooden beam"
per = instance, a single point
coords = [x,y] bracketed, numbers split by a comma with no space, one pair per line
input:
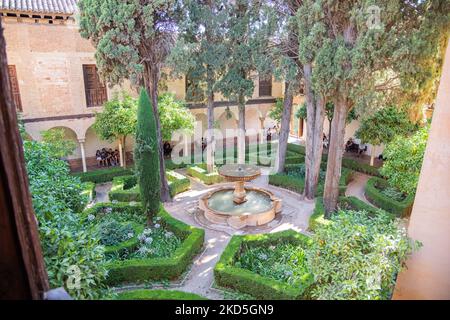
[22,268]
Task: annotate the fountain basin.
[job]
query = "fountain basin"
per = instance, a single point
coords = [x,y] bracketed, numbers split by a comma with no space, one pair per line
[260,207]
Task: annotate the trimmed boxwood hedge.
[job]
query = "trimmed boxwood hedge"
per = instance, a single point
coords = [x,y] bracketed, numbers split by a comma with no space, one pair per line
[246,281]
[129,244]
[199,171]
[140,270]
[102,175]
[124,189]
[353,203]
[157,294]
[89,190]
[399,208]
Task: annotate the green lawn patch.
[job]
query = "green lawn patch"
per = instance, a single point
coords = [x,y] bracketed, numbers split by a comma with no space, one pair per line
[199,171]
[102,175]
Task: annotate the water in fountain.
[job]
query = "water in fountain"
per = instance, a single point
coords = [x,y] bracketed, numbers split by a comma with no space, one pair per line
[257,202]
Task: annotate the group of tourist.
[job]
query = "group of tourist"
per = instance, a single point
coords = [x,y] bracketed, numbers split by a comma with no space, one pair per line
[107,157]
[355,145]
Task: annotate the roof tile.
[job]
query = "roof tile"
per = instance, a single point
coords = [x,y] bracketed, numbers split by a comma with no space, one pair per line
[40,6]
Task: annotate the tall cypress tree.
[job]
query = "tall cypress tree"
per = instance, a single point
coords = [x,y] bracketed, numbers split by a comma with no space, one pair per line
[147,156]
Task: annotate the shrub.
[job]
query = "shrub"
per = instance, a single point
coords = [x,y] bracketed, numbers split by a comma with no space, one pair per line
[357,256]
[177,183]
[102,175]
[146,154]
[287,182]
[227,274]
[361,167]
[345,203]
[69,246]
[140,270]
[145,294]
[202,174]
[378,198]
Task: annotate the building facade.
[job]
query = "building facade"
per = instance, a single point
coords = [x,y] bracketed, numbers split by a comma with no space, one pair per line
[55,84]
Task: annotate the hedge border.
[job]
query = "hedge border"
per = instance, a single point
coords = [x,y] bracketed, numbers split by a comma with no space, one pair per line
[318,216]
[89,190]
[399,208]
[199,172]
[245,281]
[102,175]
[140,270]
[130,244]
[157,294]
[124,187]
[291,183]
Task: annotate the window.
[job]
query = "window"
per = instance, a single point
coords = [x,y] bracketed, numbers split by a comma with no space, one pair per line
[265,85]
[14,85]
[94,88]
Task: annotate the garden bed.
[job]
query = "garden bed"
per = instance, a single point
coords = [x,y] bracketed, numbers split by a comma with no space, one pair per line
[294,179]
[102,175]
[125,189]
[375,192]
[199,171]
[252,264]
[169,261]
[345,203]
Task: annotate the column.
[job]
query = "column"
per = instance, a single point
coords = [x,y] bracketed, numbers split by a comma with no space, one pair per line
[83,154]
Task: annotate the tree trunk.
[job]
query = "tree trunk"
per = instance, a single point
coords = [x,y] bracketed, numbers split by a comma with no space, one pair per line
[285,127]
[335,153]
[210,134]
[124,139]
[372,155]
[241,133]
[151,76]
[121,152]
[314,144]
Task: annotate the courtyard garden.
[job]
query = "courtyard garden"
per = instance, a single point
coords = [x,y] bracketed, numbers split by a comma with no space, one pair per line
[255,219]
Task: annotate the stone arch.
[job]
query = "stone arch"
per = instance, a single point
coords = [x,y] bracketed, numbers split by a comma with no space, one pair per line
[69,134]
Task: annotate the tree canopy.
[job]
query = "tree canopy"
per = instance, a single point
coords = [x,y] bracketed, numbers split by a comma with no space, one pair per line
[58,145]
[404,160]
[174,115]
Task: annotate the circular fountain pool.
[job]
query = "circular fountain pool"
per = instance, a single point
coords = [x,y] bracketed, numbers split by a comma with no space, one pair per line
[256,202]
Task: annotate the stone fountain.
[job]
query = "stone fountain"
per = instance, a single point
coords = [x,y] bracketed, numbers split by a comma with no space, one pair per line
[242,205]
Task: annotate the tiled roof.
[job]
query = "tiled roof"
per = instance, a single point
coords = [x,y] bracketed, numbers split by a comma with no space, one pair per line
[40,6]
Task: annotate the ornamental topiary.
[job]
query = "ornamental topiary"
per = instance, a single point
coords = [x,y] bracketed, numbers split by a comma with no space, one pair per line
[146,156]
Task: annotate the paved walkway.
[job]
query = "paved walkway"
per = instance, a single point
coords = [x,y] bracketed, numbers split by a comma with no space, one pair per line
[356,186]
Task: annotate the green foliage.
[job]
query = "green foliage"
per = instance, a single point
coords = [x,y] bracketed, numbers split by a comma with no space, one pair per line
[228,274]
[117,118]
[345,203]
[143,269]
[285,262]
[404,161]
[174,115]
[277,110]
[88,190]
[59,145]
[67,242]
[287,182]
[361,167]
[374,193]
[124,188]
[102,175]
[384,126]
[357,256]
[157,294]
[111,232]
[147,156]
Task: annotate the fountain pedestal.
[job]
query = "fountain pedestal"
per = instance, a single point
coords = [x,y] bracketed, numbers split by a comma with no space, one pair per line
[239,192]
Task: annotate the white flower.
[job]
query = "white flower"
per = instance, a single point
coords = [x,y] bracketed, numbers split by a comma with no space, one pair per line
[158,218]
[157,226]
[147,231]
[168,234]
[148,240]
[133,203]
[91,217]
[142,237]
[288,273]
[108,210]
[142,251]
[114,201]
[272,247]
[130,235]
[263,256]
